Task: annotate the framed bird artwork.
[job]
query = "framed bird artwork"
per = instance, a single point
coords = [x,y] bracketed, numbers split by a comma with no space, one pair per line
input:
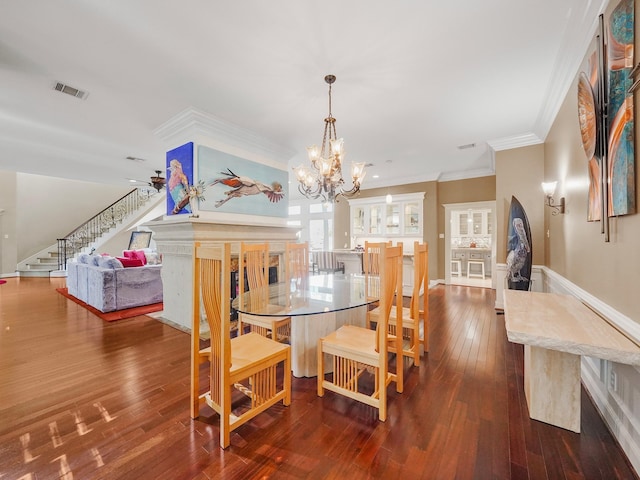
[238,185]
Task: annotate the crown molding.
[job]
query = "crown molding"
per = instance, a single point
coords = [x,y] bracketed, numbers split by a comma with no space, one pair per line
[515,141]
[192,124]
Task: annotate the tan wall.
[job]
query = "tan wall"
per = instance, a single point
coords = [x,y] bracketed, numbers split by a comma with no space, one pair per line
[481,189]
[519,173]
[576,249]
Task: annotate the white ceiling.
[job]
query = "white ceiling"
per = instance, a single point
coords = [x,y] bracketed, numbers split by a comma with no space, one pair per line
[415,80]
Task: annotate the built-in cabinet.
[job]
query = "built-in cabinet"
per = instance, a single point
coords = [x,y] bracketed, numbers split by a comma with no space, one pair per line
[471,228]
[374,219]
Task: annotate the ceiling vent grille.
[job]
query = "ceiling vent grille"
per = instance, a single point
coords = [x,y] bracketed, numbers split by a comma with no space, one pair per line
[74,92]
[468,145]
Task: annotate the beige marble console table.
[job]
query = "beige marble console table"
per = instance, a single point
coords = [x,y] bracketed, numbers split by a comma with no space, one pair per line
[556,330]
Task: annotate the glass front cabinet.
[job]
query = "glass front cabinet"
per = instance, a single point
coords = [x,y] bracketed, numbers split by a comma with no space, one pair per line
[374,217]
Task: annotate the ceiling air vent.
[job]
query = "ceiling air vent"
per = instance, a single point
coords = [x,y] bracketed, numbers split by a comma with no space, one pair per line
[468,145]
[74,92]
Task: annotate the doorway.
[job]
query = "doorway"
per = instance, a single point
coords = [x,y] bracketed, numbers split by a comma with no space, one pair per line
[470,246]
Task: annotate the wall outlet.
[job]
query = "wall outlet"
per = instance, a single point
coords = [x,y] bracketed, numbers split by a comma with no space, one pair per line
[613,381]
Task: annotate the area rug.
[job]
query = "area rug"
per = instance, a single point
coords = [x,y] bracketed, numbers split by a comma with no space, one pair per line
[118,314]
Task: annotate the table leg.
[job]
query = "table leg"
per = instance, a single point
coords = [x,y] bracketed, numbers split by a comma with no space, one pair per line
[552,386]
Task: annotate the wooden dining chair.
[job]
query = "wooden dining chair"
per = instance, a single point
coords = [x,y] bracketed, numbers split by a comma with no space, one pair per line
[248,364]
[415,320]
[357,350]
[296,257]
[371,269]
[255,258]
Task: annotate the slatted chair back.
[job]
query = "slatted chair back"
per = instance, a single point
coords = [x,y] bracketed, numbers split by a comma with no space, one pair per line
[255,274]
[391,301]
[255,259]
[371,257]
[371,269]
[296,261]
[420,283]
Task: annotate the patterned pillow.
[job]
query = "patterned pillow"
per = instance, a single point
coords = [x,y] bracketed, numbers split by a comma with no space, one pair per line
[84,258]
[94,259]
[153,258]
[109,262]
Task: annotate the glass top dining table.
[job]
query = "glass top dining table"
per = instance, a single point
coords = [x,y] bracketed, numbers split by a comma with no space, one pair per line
[311,295]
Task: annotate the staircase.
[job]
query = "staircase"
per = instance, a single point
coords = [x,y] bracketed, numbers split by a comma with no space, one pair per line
[42,266]
[120,214]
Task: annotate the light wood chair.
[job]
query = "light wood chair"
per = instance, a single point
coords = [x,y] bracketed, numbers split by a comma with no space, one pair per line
[248,363]
[296,257]
[371,270]
[415,321]
[356,350]
[255,258]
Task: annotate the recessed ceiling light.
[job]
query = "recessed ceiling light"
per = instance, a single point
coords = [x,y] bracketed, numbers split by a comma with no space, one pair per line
[376,176]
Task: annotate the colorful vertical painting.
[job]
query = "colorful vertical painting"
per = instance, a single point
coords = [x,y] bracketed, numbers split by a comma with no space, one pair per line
[621,154]
[589,116]
[180,177]
[238,185]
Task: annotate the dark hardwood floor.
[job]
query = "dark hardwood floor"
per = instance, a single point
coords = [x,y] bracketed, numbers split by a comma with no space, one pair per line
[84,399]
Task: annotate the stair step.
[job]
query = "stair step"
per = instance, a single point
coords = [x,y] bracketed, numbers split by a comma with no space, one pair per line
[34,273]
[42,266]
[48,261]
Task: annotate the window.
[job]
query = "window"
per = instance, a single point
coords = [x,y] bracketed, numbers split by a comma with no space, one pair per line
[315,220]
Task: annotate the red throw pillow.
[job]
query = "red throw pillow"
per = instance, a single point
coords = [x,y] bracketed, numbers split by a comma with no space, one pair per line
[139,254]
[130,262]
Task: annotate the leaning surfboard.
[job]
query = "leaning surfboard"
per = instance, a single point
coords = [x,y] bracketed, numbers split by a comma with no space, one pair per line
[518,248]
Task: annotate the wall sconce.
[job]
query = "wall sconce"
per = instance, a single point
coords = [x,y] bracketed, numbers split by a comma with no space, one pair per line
[549,189]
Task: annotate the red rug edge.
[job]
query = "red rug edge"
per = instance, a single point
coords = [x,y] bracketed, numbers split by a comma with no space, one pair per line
[116,315]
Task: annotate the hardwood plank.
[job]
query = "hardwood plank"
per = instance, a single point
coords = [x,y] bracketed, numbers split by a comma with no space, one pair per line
[94,399]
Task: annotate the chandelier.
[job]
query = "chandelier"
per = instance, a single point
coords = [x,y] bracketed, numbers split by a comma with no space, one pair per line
[324,178]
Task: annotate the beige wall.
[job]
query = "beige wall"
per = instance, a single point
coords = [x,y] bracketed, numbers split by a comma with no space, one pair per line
[39,210]
[519,173]
[481,189]
[576,249]
[8,219]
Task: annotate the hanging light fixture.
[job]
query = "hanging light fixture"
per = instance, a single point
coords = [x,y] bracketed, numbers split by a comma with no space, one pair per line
[157,181]
[324,178]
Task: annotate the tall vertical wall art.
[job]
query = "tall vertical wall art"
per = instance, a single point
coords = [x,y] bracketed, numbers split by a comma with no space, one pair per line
[621,138]
[180,173]
[605,113]
[590,118]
